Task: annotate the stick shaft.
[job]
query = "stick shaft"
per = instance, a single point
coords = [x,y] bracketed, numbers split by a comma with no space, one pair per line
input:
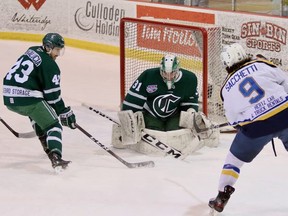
[18,135]
[151,140]
[129,165]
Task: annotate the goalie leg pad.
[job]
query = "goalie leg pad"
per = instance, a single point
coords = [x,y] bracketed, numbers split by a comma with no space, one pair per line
[140,120]
[116,137]
[131,126]
[182,139]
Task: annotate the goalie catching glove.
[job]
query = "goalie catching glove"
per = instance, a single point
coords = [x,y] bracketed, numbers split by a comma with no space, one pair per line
[189,117]
[68,118]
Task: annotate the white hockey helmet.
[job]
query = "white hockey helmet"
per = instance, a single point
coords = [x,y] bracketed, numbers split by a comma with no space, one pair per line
[233,54]
[169,69]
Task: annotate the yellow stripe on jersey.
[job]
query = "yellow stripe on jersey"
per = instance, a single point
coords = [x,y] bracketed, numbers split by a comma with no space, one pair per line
[268,115]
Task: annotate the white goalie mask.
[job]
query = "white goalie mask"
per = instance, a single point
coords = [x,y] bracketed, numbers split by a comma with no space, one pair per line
[169,69]
[233,54]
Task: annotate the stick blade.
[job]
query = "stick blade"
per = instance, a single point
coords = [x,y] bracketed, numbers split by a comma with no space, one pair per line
[26,135]
[147,164]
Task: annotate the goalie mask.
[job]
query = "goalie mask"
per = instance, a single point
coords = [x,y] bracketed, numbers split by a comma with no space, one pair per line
[53,44]
[169,69]
[233,54]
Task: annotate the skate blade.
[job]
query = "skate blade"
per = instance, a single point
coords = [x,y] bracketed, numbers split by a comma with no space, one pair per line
[213,212]
[59,169]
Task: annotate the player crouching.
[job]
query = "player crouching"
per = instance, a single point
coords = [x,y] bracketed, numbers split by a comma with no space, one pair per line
[162,102]
[129,134]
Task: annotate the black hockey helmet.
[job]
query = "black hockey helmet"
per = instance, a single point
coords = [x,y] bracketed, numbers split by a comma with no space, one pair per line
[52,40]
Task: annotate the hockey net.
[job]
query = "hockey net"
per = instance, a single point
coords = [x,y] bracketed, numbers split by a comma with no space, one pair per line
[143,42]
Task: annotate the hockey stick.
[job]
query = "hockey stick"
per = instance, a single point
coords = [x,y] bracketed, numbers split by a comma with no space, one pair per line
[19,135]
[146,137]
[199,130]
[129,165]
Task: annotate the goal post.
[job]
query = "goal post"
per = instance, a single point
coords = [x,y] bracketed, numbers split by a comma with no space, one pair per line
[143,42]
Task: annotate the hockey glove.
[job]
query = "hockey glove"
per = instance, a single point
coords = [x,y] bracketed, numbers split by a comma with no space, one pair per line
[68,118]
[189,118]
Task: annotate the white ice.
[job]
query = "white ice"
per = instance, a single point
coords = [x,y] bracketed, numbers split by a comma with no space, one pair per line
[98,184]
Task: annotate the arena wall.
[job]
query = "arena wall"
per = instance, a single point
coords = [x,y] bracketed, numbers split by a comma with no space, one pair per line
[94,24]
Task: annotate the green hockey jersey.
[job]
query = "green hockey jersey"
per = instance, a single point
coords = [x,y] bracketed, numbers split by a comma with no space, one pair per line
[34,77]
[149,93]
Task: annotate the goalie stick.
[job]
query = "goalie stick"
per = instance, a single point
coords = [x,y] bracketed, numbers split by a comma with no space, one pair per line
[129,165]
[18,135]
[151,140]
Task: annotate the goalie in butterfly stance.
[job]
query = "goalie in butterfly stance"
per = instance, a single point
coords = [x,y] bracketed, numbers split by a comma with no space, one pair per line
[163,102]
[32,88]
[255,96]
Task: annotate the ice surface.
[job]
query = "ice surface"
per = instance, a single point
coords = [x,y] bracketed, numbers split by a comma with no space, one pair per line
[98,184]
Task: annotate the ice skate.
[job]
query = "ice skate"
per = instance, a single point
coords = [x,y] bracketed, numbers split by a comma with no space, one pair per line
[222,198]
[57,163]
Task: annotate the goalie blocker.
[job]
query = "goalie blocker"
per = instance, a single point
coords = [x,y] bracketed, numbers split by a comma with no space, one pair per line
[128,133]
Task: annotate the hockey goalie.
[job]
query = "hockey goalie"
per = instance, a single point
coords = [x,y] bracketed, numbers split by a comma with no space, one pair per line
[163,102]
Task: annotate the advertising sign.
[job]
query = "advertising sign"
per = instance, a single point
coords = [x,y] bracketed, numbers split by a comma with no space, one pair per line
[34,16]
[258,34]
